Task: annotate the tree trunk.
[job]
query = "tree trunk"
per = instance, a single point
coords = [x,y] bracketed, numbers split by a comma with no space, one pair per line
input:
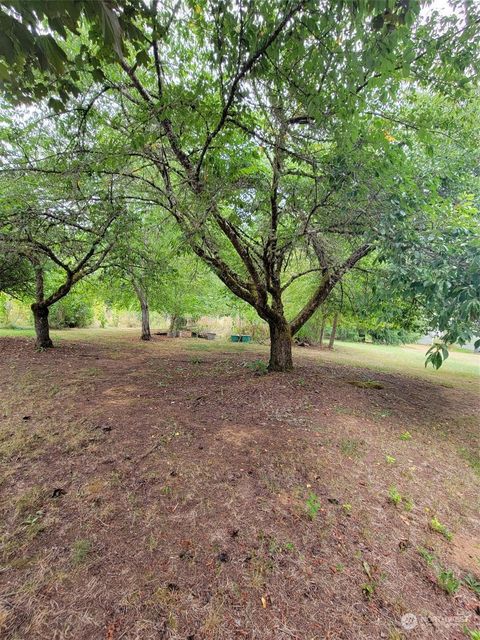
[171,331]
[280,347]
[322,331]
[334,331]
[142,298]
[42,328]
[146,335]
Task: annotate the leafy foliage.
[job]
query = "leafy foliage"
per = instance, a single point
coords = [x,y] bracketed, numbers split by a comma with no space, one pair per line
[290,142]
[71,311]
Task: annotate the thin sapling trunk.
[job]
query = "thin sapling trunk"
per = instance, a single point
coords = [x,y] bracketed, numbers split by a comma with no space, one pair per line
[334,331]
[142,298]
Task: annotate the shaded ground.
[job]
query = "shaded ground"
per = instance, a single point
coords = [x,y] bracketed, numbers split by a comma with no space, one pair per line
[165,490]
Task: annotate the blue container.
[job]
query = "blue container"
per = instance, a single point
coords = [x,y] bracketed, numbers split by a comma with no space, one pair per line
[236,338]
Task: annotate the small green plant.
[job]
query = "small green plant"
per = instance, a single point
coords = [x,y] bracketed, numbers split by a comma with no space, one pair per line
[447,580]
[405,436]
[259,367]
[473,634]
[472,583]
[390,459]
[368,589]
[436,525]
[394,496]
[408,504]
[195,361]
[313,505]
[275,547]
[427,556]
[81,549]
[347,508]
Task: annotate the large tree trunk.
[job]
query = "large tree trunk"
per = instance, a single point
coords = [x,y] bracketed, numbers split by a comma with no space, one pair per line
[42,328]
[280,346]
[334,331]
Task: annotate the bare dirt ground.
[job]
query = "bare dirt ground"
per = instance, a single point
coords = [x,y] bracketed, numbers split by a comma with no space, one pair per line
[162,491]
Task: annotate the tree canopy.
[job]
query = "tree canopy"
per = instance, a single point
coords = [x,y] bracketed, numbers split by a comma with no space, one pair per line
[287,140]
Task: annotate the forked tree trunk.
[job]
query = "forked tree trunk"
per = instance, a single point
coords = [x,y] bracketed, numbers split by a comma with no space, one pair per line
[322,331]
[280,347]
[334,331]
[42,328]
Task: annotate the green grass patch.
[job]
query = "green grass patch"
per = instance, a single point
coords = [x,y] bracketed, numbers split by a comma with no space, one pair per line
[81,550]
[460,368]
[351,447]
[472,458]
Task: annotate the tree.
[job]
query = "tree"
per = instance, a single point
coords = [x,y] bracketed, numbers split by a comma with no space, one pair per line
[189,289]
[62,236]
[140,264]
[264,129]
[435,262]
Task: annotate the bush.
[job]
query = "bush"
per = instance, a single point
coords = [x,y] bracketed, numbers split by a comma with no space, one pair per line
[258,330]
[70,312]
[348,334]
[312,329]
[392,336]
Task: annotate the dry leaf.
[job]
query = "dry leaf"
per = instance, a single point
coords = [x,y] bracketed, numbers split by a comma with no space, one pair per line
[366,567]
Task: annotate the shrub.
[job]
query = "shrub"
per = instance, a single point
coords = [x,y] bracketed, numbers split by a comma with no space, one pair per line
[71,311]
[258,330]
[392,336]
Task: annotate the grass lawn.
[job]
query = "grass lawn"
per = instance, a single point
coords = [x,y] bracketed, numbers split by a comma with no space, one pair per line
[168,490]
[460,367]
